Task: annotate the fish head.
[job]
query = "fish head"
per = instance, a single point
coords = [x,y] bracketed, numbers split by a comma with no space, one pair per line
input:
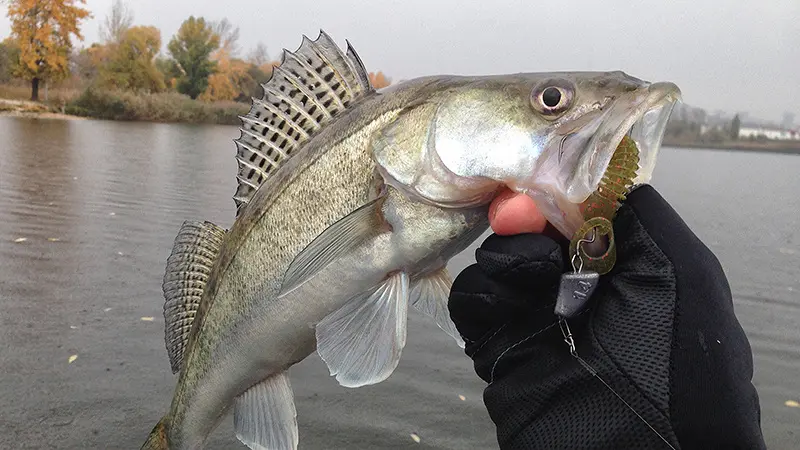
[550,136]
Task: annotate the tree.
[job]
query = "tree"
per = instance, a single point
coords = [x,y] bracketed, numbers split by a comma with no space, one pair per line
[43,29]
[228,37]
[231,74]
[116,23]
[258,56]
[379,80]
[191,49]
[230,81]
[170,70]
[132,66]
[83,63]
[250,86]
[736,125]
[9,55]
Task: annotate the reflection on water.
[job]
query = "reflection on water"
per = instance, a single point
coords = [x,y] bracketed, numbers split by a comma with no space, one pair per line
[99,203]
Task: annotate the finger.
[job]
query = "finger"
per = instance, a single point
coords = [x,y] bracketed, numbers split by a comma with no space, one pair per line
[478,305]
[532,260]
[513,213]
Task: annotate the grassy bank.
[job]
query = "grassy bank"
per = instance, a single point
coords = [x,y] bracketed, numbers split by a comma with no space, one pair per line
[57,98]
[164,107]
[24,108]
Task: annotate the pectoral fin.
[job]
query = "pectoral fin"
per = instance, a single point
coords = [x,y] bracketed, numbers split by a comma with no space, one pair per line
[338,239]
[430,295]
[265,417]
[361,342]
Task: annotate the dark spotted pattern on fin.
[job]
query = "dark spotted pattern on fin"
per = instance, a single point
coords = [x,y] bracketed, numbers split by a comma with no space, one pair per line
[193,254]
[309,88]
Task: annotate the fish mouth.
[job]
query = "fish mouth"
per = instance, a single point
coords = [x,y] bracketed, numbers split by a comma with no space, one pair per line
[643,118]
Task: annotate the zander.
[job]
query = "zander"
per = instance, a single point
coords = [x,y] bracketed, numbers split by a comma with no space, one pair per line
[350,203]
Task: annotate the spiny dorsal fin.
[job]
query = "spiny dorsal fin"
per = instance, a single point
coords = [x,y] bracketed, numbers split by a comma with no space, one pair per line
[193,254]
[307,90]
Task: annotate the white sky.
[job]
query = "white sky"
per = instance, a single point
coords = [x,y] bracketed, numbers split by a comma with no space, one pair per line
[734,55]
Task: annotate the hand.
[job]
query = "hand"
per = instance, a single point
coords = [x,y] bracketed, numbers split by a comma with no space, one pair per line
[660,330]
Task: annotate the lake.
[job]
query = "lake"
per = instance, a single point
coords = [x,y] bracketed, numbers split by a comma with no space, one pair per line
[88,214]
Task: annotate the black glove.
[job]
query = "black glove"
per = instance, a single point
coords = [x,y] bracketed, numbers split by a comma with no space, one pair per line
[660,330]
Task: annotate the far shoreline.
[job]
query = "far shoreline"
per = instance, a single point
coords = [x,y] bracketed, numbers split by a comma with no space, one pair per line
[34,110]
[40,115]
[782,147]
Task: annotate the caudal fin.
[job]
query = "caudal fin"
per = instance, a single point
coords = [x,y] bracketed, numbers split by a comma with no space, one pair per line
[158,437]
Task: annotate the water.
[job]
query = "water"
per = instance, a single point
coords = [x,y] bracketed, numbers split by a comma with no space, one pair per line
[99,203]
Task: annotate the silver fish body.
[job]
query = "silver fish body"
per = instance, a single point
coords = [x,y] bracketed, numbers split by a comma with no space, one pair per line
[335,240]
[262,333]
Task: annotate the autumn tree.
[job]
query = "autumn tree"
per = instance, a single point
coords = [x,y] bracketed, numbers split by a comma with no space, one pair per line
[116,22]
[43,29]
[84,63]
[191,49]
[131,66]
[379,80]
[229,82]
[170,71]
[230,72]
[250,86]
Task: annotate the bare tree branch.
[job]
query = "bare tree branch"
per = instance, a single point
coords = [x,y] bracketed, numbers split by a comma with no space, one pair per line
[228,37]
[259,55]
[117,22]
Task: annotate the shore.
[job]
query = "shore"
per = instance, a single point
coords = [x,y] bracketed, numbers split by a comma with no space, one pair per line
[22,108]
[786,147]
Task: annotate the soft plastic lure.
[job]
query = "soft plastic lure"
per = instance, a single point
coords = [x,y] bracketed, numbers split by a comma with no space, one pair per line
[602,205]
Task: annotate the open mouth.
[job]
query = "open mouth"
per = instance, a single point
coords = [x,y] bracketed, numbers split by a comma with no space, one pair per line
[644,121]
[648,126]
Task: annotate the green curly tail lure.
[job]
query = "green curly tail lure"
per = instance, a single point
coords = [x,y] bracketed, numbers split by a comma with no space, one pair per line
[602,205]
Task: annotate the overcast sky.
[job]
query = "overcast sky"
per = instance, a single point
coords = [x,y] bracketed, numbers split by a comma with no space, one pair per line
[734,55]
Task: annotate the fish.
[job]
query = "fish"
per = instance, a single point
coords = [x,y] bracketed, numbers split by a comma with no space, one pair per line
[350,201]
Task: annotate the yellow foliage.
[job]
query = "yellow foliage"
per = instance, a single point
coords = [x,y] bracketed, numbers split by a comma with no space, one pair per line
[130,64]
[171,83]
[98,54]
[220,87]
[267,67]
[43,30]
[379,80]
[228,80]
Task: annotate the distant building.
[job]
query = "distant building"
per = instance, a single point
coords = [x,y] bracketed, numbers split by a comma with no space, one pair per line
[756,131]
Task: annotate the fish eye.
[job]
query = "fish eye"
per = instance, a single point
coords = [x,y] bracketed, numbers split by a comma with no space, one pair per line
[552,97]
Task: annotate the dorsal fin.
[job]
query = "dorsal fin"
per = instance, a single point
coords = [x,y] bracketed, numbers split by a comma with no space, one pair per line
[194,252]
[307,90]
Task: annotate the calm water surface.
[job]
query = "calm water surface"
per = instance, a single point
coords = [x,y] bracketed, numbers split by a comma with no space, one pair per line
[99,203]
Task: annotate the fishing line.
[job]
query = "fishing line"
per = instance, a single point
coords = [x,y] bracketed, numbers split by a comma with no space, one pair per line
[567,333]
[562,323]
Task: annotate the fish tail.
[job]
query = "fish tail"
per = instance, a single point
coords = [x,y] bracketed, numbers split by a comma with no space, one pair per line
[157,440]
